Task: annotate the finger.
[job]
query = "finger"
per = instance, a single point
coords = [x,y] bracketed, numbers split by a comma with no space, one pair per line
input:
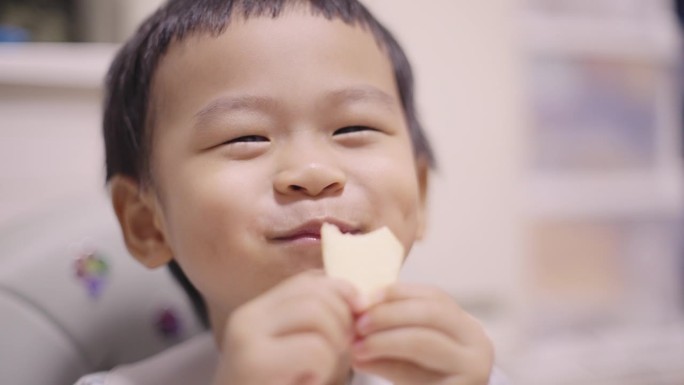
[349,293]
[292,360]
[305,358]
[402,290]
[259,314]
[342,287]
[314,314]
[413,313]
[314,281]
[414,305]
[335,294]
[420,346]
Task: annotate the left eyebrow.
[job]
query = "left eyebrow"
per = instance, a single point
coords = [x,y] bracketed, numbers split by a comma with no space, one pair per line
[363,94]
[224,105]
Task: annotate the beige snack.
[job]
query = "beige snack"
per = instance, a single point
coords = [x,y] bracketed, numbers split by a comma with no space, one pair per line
[370,261]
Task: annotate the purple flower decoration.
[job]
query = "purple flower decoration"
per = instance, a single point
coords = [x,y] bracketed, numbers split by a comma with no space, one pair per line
[93,271]
[168,323]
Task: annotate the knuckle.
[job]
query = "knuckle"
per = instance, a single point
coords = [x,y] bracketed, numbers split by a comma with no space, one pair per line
[312,285]
[489,350]
[482,362]
[302,281]
[238,324]
[318,348]
[482,373]
[438,293]
[429,310]
[422,312]
[311,308]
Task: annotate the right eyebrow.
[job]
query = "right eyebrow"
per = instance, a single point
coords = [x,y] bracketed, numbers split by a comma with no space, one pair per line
[364,94]
[226,104]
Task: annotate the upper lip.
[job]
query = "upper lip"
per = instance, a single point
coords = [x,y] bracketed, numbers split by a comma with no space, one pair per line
[312,228]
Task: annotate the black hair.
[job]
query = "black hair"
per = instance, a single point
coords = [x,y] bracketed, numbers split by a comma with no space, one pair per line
[128,121]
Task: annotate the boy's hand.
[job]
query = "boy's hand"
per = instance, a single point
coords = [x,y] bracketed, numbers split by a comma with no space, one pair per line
[418,335]
[299,332]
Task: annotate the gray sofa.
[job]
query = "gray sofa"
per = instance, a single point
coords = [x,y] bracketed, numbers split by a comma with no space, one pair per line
[73,301]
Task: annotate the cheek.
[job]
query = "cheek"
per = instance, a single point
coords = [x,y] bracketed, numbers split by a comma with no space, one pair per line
[395,200]
[208,220]
[212,243]
[209,212]
[209,198]
[406,222]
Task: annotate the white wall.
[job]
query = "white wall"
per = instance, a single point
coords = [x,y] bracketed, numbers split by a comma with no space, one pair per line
[50,142]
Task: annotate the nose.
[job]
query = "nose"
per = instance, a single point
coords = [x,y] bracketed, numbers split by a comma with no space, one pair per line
[312,178]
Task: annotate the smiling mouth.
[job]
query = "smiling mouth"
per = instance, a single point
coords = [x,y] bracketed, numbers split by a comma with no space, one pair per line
[310,231]
[313,237]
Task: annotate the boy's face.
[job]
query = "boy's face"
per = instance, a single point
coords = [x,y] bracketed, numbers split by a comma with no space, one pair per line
[263,133]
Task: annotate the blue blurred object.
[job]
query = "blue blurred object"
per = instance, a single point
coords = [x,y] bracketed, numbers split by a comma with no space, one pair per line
[12,34]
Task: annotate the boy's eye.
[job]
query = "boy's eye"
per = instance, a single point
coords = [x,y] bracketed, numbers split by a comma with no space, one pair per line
[352,129]
[244,147]
[248,139]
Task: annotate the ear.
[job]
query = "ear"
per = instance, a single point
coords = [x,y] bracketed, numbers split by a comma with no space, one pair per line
[423,175]
[139,217]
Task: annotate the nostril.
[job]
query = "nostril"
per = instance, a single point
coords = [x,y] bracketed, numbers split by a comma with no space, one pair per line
[333,187]
[312,180]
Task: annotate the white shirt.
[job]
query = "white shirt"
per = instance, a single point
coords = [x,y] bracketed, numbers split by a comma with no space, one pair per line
[194,362]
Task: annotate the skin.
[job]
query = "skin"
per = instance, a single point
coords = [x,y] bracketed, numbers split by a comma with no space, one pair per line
[261,134]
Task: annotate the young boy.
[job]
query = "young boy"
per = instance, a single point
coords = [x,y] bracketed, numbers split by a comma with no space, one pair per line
[234,130]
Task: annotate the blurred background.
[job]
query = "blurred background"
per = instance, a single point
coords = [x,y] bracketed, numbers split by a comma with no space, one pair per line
[556,211]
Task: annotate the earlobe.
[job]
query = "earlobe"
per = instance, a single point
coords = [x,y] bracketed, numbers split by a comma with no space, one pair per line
[138,217]
[423,176]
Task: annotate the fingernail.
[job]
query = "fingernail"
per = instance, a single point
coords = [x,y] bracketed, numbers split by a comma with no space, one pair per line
[307,379]
[358,347]
[362,324]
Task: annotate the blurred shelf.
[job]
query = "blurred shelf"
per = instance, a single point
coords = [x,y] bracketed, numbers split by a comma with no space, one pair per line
[63,65]
[635,356]
[653,40]
[628,194]
[652,36]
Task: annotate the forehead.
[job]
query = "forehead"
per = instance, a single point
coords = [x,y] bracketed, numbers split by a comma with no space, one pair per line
[294,55]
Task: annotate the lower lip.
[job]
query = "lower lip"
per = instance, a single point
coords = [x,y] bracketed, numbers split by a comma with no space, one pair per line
[304,240]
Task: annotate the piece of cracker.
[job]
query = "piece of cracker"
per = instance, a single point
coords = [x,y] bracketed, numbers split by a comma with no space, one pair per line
[369,261]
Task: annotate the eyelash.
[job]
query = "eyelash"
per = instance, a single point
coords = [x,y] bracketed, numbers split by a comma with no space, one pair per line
[260,138]
[248,139]
[352,129]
